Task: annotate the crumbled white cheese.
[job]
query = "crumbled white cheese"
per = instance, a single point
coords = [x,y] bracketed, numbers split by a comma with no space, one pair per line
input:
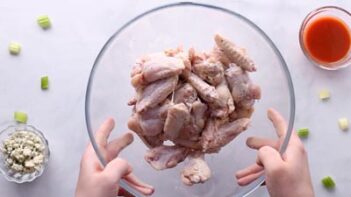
[24,152]
[38,159]
[29,143]
[9,161]
[17,167]
[29,164]
[27,152]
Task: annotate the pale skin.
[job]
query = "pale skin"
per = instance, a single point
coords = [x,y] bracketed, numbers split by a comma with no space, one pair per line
[287,175]
[95,180]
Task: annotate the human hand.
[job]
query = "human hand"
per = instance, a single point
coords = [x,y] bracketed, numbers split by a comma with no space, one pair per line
[97,181]
[287,175]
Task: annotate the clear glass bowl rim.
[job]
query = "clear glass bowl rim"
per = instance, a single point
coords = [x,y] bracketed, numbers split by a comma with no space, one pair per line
[289,82]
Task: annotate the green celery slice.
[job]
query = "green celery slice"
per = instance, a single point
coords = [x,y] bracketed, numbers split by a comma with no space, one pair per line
[44,21]
[15,48]
[44,82]
[303,132]
[21,117]
[328,182]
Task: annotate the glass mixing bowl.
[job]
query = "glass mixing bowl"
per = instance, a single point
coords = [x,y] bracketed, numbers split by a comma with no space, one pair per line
[189,24]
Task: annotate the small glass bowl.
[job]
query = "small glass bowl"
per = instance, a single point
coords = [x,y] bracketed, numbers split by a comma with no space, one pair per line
[334,11]
[16,177]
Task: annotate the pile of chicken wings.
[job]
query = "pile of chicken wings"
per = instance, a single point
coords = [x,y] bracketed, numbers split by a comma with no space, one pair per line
[191,103]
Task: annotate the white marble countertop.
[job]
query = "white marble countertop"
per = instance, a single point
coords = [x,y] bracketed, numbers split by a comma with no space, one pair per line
[66,53]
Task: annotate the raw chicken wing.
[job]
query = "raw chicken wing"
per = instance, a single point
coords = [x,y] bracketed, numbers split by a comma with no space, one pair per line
[149,141]
[163,157]
[155,93]
[226,103]
[217,135]
[196,170]
[206,91]
[157,67]
[185,94]
[177,116]
[234,53]
[152,120]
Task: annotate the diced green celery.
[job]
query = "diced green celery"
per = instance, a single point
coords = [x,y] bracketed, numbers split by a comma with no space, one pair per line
[44,21]
[324,94]
[303,132]
[21,117]
[343,124]
[328,182]
[15,48]
[44,82]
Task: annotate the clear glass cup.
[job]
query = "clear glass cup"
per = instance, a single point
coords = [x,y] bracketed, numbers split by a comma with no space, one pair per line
[332,11]
[16,177]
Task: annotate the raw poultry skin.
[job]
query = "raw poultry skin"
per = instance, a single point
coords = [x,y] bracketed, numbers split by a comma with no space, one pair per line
[185,94]
[206,92]
[197,101]
[149,141]
[155,93]
[244,92]
[180,54]
[207,67]
[235,54]
[218,133]
[163,157]
[226,103]
[152,121]
[177,116]
[196,170]
[154,67]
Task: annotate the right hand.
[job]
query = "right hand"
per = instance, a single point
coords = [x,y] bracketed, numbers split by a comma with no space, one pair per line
[287,175]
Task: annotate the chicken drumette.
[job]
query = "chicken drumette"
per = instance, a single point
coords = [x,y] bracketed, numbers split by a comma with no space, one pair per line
[196,170]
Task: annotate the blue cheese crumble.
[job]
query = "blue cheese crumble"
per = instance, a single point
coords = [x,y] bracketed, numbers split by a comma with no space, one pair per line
[24,152]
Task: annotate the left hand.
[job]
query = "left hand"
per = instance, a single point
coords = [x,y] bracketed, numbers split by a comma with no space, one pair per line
[96,181]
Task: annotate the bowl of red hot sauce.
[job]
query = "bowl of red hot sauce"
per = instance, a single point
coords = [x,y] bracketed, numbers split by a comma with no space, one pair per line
[325,37]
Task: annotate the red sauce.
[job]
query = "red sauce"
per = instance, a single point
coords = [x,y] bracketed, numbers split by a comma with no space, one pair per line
[327,39]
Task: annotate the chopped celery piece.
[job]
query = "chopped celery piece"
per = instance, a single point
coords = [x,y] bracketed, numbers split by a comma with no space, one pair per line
[15,48]
[303,132]
[44,21]
[324,94]
[328,182]
[343,124]
[44,82]
[21,117]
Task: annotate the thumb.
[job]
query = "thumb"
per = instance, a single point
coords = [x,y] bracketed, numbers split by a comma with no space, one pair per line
[269,158]
[116,169]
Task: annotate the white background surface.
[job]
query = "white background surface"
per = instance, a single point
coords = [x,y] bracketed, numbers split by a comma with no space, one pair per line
[67,51]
